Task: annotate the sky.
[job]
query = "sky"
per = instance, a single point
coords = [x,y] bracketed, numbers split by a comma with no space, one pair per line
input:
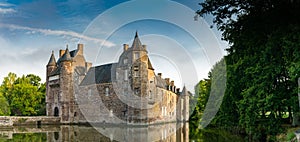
[179,47]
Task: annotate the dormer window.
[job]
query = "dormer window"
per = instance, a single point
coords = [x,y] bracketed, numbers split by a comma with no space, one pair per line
[125,61]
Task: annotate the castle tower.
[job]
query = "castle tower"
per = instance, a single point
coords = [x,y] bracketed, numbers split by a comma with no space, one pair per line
[51,66]
[133,73]
[139,69]
[66,86]
[63,78]
[186,98]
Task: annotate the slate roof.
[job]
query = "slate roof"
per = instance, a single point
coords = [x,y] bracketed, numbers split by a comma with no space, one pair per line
[137,45]
[66,56]
[184,92]
[52,61]
[73,53]
[99,74]
[55,72]
[150,65]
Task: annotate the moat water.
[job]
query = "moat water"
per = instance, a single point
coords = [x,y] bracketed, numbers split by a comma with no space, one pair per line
[171,132]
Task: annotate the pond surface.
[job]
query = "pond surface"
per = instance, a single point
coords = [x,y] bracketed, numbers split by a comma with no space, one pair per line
[171,132]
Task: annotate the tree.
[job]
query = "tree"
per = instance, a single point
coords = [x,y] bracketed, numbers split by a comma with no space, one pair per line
[25,95]
[4,106]
[262,61]
[202,91]
[209,94]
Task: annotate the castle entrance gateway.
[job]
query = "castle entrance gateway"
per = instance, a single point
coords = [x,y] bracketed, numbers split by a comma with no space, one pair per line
[56,111]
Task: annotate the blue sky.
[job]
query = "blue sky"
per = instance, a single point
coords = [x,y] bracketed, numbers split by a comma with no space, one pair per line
[30,30]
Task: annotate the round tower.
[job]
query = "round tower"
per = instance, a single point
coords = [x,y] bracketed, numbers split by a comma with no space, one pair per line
[51,66]
[66,86]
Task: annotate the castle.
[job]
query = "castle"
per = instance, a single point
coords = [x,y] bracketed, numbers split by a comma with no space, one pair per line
[128,91]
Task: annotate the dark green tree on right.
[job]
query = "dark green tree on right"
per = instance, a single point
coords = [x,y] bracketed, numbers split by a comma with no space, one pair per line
[263,63]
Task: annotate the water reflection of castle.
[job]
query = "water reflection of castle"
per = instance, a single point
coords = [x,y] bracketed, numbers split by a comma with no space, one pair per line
[128,91]
[170,132]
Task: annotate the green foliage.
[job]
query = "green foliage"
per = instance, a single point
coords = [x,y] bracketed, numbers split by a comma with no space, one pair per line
[28,137]
[4,106]
[209,94]
[290,136]
[25,95]
[213,135]
[263,63]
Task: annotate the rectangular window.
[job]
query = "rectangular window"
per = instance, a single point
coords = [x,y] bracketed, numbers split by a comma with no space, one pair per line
[106,91]
[111,113]
[136,74]
[53,77]
[89,92]
[125,61]
[136,55]
[126,75]
[150,95]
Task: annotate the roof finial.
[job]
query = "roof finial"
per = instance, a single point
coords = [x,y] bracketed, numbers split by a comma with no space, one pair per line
[136,34]
[53,52]
[67,46]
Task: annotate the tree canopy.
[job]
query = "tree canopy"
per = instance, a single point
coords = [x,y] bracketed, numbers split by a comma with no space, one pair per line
[263,62]
[22,95]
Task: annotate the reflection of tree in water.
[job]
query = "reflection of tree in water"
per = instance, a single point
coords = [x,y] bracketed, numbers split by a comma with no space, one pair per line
[214,135]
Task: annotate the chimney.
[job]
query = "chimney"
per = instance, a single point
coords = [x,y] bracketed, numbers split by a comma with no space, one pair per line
[61,53]
[172,83]
[177,90]
[167,81]
[125,46]
[159,74]
[144,46]
[79,49]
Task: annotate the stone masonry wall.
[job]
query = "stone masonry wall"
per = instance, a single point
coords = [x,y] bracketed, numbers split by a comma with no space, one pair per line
[23,120]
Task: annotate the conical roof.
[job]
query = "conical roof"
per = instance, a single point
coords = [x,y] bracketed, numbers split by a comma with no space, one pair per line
[66,56]
[52,61]
[136,42]
[184,91]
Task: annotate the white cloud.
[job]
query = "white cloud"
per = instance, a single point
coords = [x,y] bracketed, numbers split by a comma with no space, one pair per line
[25,61]
[5,4]
[60,33]
[7,10]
